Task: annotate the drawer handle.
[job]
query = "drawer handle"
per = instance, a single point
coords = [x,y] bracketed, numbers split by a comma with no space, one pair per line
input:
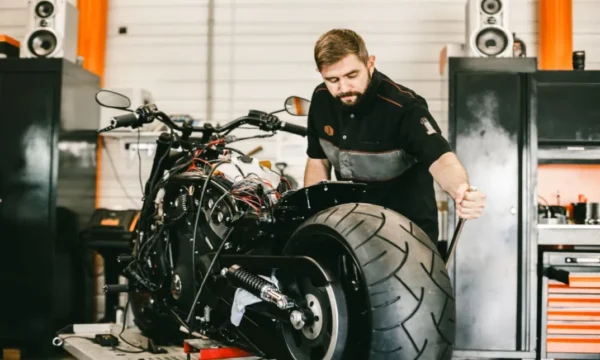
[557,274]
[571,260]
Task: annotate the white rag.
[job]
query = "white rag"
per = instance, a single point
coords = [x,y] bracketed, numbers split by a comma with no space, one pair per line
[243,298]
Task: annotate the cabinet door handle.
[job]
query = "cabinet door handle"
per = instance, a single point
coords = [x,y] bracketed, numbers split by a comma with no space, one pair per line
[513,210]
[576,260]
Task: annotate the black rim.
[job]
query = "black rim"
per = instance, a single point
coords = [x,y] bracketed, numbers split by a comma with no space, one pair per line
[331,250]
[314,341]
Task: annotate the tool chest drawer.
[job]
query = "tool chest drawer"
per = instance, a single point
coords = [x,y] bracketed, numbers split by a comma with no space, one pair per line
[570,308]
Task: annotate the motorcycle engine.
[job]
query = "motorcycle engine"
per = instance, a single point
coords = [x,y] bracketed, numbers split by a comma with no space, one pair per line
[180,206]
[245,167]
[182,195]
[227,196]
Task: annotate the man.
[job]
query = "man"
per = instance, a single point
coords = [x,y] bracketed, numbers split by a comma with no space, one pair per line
[375,131]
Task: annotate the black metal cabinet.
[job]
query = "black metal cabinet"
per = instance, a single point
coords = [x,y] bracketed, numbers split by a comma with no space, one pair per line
[47,190]
[488,129]
[567,106]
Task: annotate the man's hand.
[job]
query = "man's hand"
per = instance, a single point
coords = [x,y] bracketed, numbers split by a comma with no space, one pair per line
[449,173]
[469,204]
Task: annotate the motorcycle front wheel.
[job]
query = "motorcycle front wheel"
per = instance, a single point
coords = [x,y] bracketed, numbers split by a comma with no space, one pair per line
[392,298]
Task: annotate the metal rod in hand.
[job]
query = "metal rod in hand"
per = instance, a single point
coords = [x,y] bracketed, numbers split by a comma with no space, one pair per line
[459,227]
[455,237]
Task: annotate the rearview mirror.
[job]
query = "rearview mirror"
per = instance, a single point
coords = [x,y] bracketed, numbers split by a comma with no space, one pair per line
[297,106]
[113,100]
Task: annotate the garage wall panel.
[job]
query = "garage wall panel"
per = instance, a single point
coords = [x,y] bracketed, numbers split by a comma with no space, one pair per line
[273,51]
[13,18]
[262,52]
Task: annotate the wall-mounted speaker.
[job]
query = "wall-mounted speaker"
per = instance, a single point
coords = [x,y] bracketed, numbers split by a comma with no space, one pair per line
[488,29]
[52,30]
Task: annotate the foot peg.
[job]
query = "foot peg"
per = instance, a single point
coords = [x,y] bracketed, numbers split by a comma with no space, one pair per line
[119,288]
[124,259]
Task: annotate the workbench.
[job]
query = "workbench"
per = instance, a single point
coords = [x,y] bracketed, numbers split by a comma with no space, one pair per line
[576,235]
[79,345]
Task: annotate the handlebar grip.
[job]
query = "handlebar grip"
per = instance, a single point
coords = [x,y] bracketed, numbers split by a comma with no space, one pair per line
[293,128]
[125,120]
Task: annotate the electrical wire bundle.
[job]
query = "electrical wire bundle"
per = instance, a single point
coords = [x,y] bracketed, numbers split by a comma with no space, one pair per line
[196,160]
[255,192]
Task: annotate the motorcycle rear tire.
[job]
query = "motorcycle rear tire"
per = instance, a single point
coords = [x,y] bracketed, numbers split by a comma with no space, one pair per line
[410,298]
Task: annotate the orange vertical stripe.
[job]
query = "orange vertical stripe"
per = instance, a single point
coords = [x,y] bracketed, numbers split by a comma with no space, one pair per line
[91,45]
[93,16]
[555,34]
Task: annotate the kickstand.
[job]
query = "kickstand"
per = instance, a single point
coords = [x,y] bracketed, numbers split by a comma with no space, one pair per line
[155,349]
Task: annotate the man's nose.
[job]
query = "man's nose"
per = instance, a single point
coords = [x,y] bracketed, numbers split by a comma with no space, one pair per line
[344,86]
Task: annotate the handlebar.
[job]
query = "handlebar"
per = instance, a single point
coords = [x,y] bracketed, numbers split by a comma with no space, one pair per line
[148,113]
[125,120]
[293,128]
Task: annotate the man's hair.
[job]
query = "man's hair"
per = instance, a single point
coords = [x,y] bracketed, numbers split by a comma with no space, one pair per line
[336,44]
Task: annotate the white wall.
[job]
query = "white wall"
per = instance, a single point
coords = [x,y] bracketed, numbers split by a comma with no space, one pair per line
[262,52]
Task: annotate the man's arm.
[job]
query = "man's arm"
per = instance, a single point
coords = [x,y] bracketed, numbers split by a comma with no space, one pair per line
[423,139]
[316,170]
[449,173]
[317,167]
[452,177]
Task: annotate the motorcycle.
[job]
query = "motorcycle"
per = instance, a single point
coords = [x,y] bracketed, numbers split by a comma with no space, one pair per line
[225,248]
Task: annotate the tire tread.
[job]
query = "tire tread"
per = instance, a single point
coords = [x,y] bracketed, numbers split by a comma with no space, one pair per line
[406,256]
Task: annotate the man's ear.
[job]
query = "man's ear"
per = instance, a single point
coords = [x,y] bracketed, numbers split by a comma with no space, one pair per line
[371,64]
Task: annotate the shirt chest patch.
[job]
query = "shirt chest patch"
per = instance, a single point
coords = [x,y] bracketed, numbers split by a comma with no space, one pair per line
[361,165]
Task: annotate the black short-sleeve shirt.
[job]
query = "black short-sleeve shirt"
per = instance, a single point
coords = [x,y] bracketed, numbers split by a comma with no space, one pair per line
[388,141]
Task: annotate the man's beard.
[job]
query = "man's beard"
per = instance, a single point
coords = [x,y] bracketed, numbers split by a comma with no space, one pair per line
[359,95]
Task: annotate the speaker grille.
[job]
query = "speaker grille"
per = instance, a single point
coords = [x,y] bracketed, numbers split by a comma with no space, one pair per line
[491,7]
[42,43]
[491,41]
[44,9]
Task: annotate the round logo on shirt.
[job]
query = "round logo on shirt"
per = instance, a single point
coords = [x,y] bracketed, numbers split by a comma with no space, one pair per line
[329,130]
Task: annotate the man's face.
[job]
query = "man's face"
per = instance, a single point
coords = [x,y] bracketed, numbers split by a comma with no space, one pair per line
[347,80]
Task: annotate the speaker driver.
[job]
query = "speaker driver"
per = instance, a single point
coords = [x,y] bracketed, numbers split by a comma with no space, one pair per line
[491,7]
[42,43]
[44,9]
[491,41]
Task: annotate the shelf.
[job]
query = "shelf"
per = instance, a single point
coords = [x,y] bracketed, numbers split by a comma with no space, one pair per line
[569,235]
[578,356]
[569,154]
